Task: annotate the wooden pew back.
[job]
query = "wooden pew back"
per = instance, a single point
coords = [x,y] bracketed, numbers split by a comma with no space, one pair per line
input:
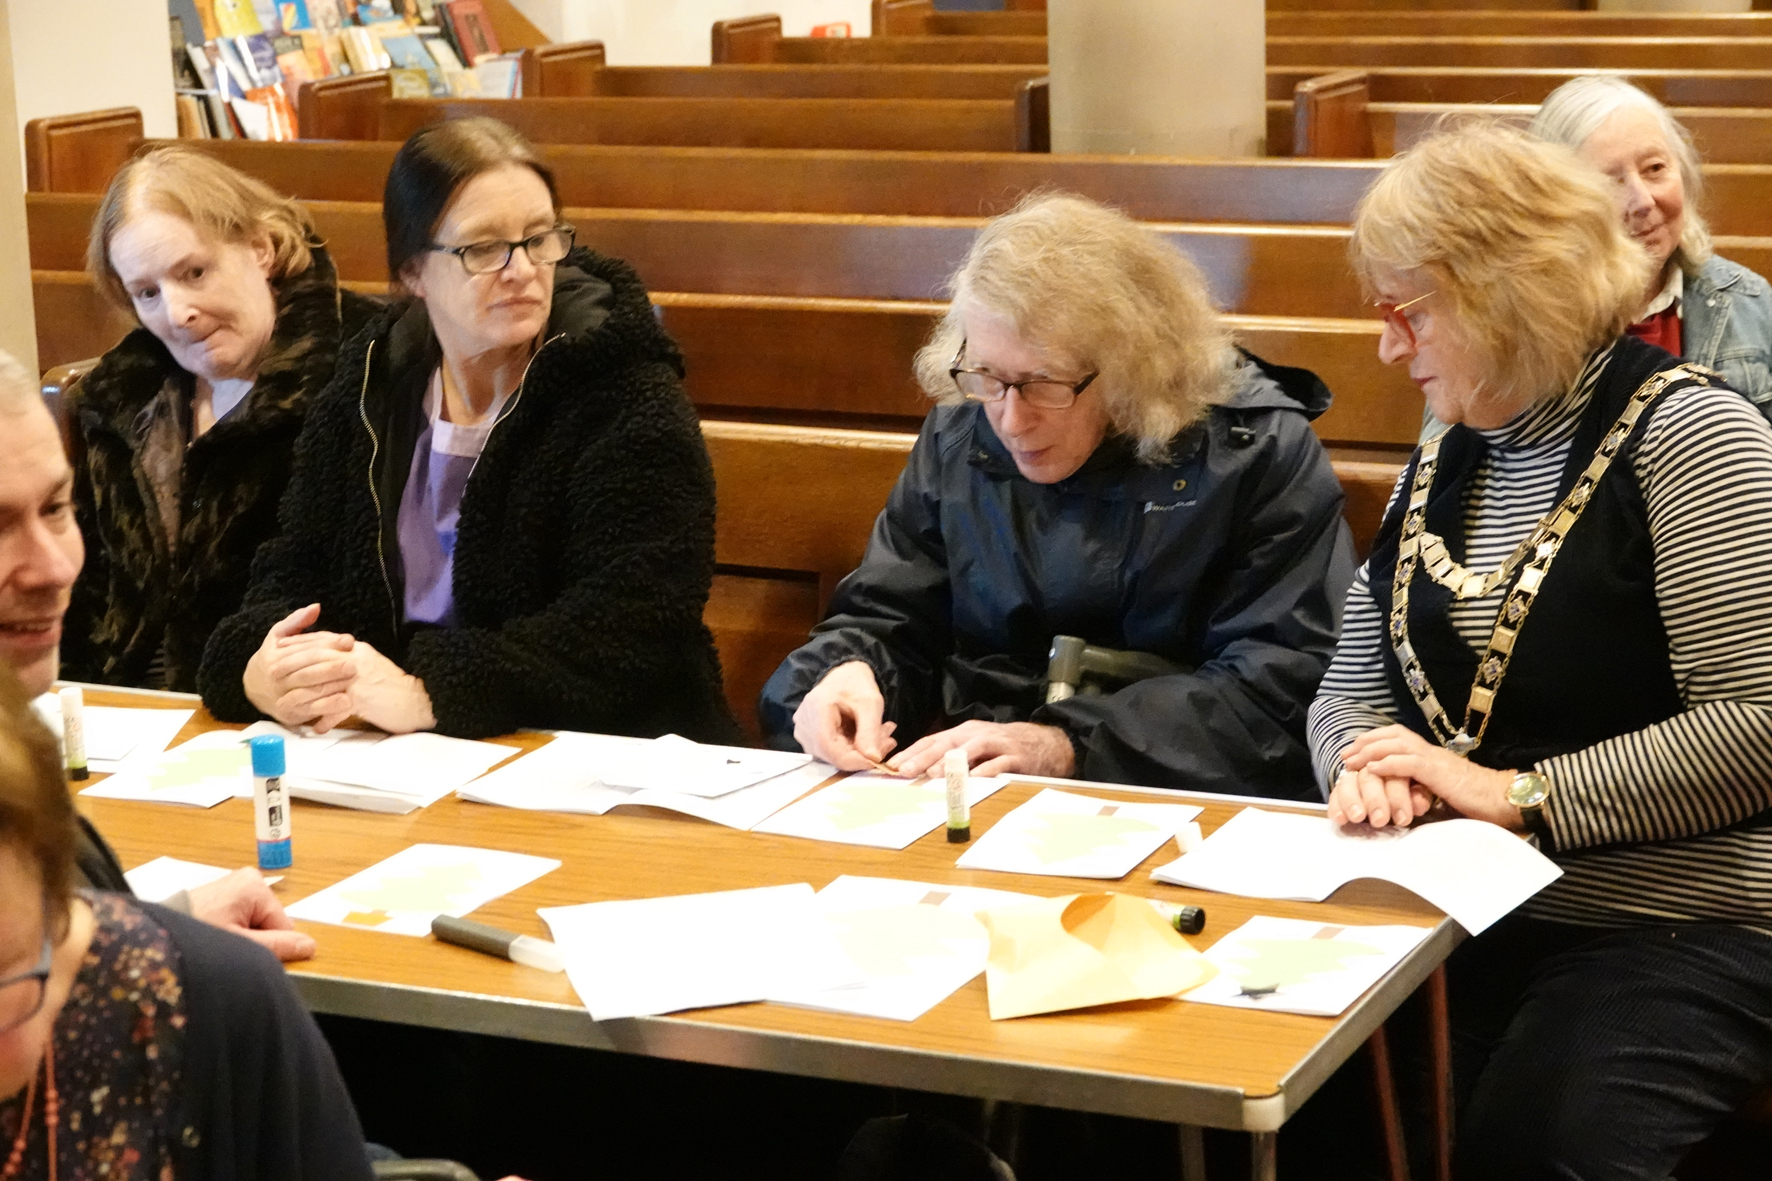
[920,18]
[1271,270]
[1519,24]
[950,125]
[1492,84]
[1615,53]
[78,153]
[787,180]
[788,81]
[758,39]
[847,362]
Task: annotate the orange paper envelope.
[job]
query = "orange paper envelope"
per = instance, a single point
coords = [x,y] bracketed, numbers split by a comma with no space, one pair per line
[1085,949]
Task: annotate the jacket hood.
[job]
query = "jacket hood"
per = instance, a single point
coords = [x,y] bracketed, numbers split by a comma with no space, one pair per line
[303,348]
[1262,385]
[600,307]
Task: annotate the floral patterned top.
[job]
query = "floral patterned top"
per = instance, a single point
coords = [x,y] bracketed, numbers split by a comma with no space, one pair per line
[118,1044]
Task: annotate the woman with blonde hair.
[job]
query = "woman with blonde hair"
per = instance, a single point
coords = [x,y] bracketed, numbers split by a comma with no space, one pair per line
[1696,305]
[1565,628]
[183,433]
[1101,462]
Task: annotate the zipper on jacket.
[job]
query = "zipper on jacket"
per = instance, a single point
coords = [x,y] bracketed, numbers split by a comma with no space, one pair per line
[511,408]
[381,557]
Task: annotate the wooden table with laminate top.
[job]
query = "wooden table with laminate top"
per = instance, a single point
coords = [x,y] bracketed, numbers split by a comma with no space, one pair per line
[1190,1064]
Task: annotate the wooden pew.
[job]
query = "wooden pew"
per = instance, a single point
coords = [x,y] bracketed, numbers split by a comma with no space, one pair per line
[952,125]
[919,18]
[1451,84]
[787,81]
[758,39]
[847,362]
[1519,24]
[788,180]
[1332,117]
[1254,269]
[1615,53]
[795,508]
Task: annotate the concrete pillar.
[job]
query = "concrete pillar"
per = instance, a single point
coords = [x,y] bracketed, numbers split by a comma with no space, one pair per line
[18,321]
[1158,77]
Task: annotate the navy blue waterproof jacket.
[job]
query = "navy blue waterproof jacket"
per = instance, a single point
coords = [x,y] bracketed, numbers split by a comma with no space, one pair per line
[1231,559]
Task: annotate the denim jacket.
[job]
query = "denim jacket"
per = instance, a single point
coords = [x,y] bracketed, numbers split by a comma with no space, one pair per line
[1726,324]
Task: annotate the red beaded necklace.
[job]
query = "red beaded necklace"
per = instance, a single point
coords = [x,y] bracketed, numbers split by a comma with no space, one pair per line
[51,1118]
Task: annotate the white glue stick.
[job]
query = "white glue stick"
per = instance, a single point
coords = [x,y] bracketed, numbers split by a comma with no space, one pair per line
[953,765]
[270,803]
[74,732]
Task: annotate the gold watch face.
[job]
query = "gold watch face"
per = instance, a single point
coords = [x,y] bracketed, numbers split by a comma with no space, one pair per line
[1528,790]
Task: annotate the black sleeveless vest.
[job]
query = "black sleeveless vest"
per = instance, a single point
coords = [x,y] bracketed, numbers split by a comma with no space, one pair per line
[1591,661]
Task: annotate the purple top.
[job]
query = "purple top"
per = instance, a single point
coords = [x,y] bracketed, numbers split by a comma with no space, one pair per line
[430,508]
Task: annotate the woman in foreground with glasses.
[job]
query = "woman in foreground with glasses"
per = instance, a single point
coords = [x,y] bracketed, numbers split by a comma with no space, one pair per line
[1565,628]
[137,1043]
[184,431]
[1101,462]
[502,510]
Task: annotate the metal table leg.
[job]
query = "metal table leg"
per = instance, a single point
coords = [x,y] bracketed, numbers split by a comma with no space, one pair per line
[1264,1159]
[1193,1153]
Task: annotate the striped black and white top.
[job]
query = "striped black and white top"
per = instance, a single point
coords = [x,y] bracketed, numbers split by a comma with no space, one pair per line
[1649,811]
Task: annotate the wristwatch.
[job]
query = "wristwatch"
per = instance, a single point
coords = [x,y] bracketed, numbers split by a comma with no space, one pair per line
[1528,792]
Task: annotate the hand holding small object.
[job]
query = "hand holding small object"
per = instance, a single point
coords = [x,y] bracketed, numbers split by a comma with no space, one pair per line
[840,720]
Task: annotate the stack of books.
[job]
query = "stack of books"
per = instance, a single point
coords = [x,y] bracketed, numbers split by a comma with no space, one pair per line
[240,79]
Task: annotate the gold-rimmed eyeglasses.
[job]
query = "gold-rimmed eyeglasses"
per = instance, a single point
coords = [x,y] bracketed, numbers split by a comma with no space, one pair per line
[1044,393]
[1392,314]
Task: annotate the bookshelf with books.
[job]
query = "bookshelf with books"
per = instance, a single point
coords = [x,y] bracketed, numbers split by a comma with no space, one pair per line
[237,64]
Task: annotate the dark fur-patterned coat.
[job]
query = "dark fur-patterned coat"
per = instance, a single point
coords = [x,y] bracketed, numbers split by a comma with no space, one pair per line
[143,586]
[585,548]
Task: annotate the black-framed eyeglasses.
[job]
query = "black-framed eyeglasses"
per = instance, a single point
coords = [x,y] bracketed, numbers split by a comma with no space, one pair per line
[1042,392]
[21,996]
[483,258]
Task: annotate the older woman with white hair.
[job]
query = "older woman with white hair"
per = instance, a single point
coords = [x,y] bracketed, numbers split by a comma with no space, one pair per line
[1696,305]
[1102,463]
[1565,628]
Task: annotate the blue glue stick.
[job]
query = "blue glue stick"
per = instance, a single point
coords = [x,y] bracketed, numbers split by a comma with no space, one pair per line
[270,801]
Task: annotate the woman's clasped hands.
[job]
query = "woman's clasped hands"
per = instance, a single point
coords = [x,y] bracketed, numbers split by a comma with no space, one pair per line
[320,678]
[1392,776]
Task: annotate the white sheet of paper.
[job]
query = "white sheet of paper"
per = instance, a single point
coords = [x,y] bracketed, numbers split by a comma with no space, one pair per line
[695,951]
[681,767]
[376,772]
[1061,834]
[161,878]
[405,892]
[914,943]
[1301,966]
[1475,872]
[115,735]
[884,811]
[212,767]
[564,776]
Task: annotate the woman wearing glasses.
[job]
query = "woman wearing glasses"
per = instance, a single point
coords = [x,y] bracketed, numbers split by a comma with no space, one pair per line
[1565,628]
[502,511]
[1101,462]
[137,1043]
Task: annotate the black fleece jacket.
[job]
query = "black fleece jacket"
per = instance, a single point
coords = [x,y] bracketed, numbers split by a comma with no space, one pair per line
[140,588]
[585,549]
